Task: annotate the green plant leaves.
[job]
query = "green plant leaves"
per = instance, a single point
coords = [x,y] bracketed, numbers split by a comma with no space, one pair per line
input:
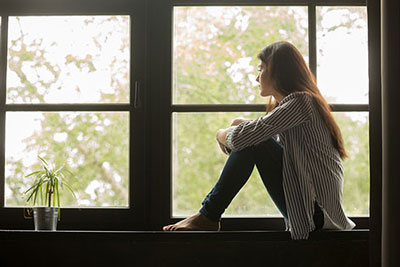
[45,189]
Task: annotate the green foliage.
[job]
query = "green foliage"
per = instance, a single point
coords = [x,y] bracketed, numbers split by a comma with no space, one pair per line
[47,184]
[215,61]
[356,167]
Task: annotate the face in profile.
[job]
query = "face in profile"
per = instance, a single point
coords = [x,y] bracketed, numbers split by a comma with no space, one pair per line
[264,80]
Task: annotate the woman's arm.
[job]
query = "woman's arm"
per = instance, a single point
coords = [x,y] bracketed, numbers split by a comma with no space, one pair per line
[294,110]
[221,134]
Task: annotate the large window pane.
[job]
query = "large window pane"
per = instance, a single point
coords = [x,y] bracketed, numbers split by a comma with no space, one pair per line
[197,163]
[355,131]
[94,145]
[215,50]
[68,59]
[342,59]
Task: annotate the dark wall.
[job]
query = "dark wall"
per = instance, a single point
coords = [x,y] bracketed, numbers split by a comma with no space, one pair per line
[391,132]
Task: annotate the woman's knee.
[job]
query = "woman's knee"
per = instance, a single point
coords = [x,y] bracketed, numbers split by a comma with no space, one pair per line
[270,149]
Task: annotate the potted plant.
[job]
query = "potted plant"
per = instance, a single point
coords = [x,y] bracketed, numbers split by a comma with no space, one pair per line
[44,194]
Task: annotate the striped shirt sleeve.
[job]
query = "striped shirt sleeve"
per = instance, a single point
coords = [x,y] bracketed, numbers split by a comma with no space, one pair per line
[294,110]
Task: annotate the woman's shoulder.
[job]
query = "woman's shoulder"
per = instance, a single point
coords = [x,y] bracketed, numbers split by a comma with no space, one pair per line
[300,102]
[303,97]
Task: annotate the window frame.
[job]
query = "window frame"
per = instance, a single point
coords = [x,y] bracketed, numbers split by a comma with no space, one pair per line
[151,178]
[258,223]
[86,218]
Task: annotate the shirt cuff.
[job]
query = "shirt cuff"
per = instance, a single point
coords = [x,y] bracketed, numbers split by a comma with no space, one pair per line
[228,138]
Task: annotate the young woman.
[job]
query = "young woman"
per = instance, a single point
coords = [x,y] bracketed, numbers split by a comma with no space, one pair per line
[297,148]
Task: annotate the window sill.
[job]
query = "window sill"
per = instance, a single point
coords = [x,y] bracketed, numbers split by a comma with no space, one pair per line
[355,234]
[158,248]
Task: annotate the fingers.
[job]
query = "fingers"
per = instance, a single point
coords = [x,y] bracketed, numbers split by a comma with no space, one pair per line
[237,121]
[222,147]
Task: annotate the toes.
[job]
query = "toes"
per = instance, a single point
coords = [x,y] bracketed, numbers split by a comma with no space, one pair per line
[167,228]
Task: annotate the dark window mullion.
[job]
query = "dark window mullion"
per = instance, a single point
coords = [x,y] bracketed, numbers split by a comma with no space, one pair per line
[256,108]
[66,7]
[267,2]
[3,88]
[218,108]
[137,126]
[349,107]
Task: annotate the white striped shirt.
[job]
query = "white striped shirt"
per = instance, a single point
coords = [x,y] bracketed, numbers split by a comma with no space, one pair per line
[312,169]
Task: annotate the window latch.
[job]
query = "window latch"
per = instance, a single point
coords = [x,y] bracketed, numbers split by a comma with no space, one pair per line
[136,100]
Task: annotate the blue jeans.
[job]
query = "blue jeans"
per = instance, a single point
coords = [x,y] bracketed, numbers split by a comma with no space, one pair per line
[267,157]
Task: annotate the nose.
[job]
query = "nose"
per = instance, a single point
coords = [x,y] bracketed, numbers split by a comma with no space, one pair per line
[258,78]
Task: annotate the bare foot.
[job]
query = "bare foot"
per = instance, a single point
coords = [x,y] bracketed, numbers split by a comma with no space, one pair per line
[197,222]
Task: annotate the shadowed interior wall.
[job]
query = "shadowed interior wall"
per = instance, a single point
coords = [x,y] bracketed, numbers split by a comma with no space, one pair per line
[391,132]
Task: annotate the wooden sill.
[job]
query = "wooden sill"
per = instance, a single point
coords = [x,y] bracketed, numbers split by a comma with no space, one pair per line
[157,248]
[355,234]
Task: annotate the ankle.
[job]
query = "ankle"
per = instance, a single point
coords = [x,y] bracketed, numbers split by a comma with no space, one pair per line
[207,219]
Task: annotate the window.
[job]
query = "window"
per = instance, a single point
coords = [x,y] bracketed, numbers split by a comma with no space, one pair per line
[130,94]
[214,69]
[69,59]
[342,75]
[72,82]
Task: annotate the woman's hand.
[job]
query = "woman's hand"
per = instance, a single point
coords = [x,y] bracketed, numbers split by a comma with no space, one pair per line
[238,121]
[223,148]
[221,136]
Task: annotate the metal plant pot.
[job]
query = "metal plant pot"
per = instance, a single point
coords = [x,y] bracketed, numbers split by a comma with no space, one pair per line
[45,218]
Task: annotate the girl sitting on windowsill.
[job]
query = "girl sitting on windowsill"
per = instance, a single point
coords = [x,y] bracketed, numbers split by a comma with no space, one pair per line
[297,148]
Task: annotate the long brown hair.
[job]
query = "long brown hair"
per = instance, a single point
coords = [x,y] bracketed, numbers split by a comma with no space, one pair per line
[290,73]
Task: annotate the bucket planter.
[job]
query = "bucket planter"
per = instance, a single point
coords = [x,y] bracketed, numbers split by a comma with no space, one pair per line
[45,192]
[45,218]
